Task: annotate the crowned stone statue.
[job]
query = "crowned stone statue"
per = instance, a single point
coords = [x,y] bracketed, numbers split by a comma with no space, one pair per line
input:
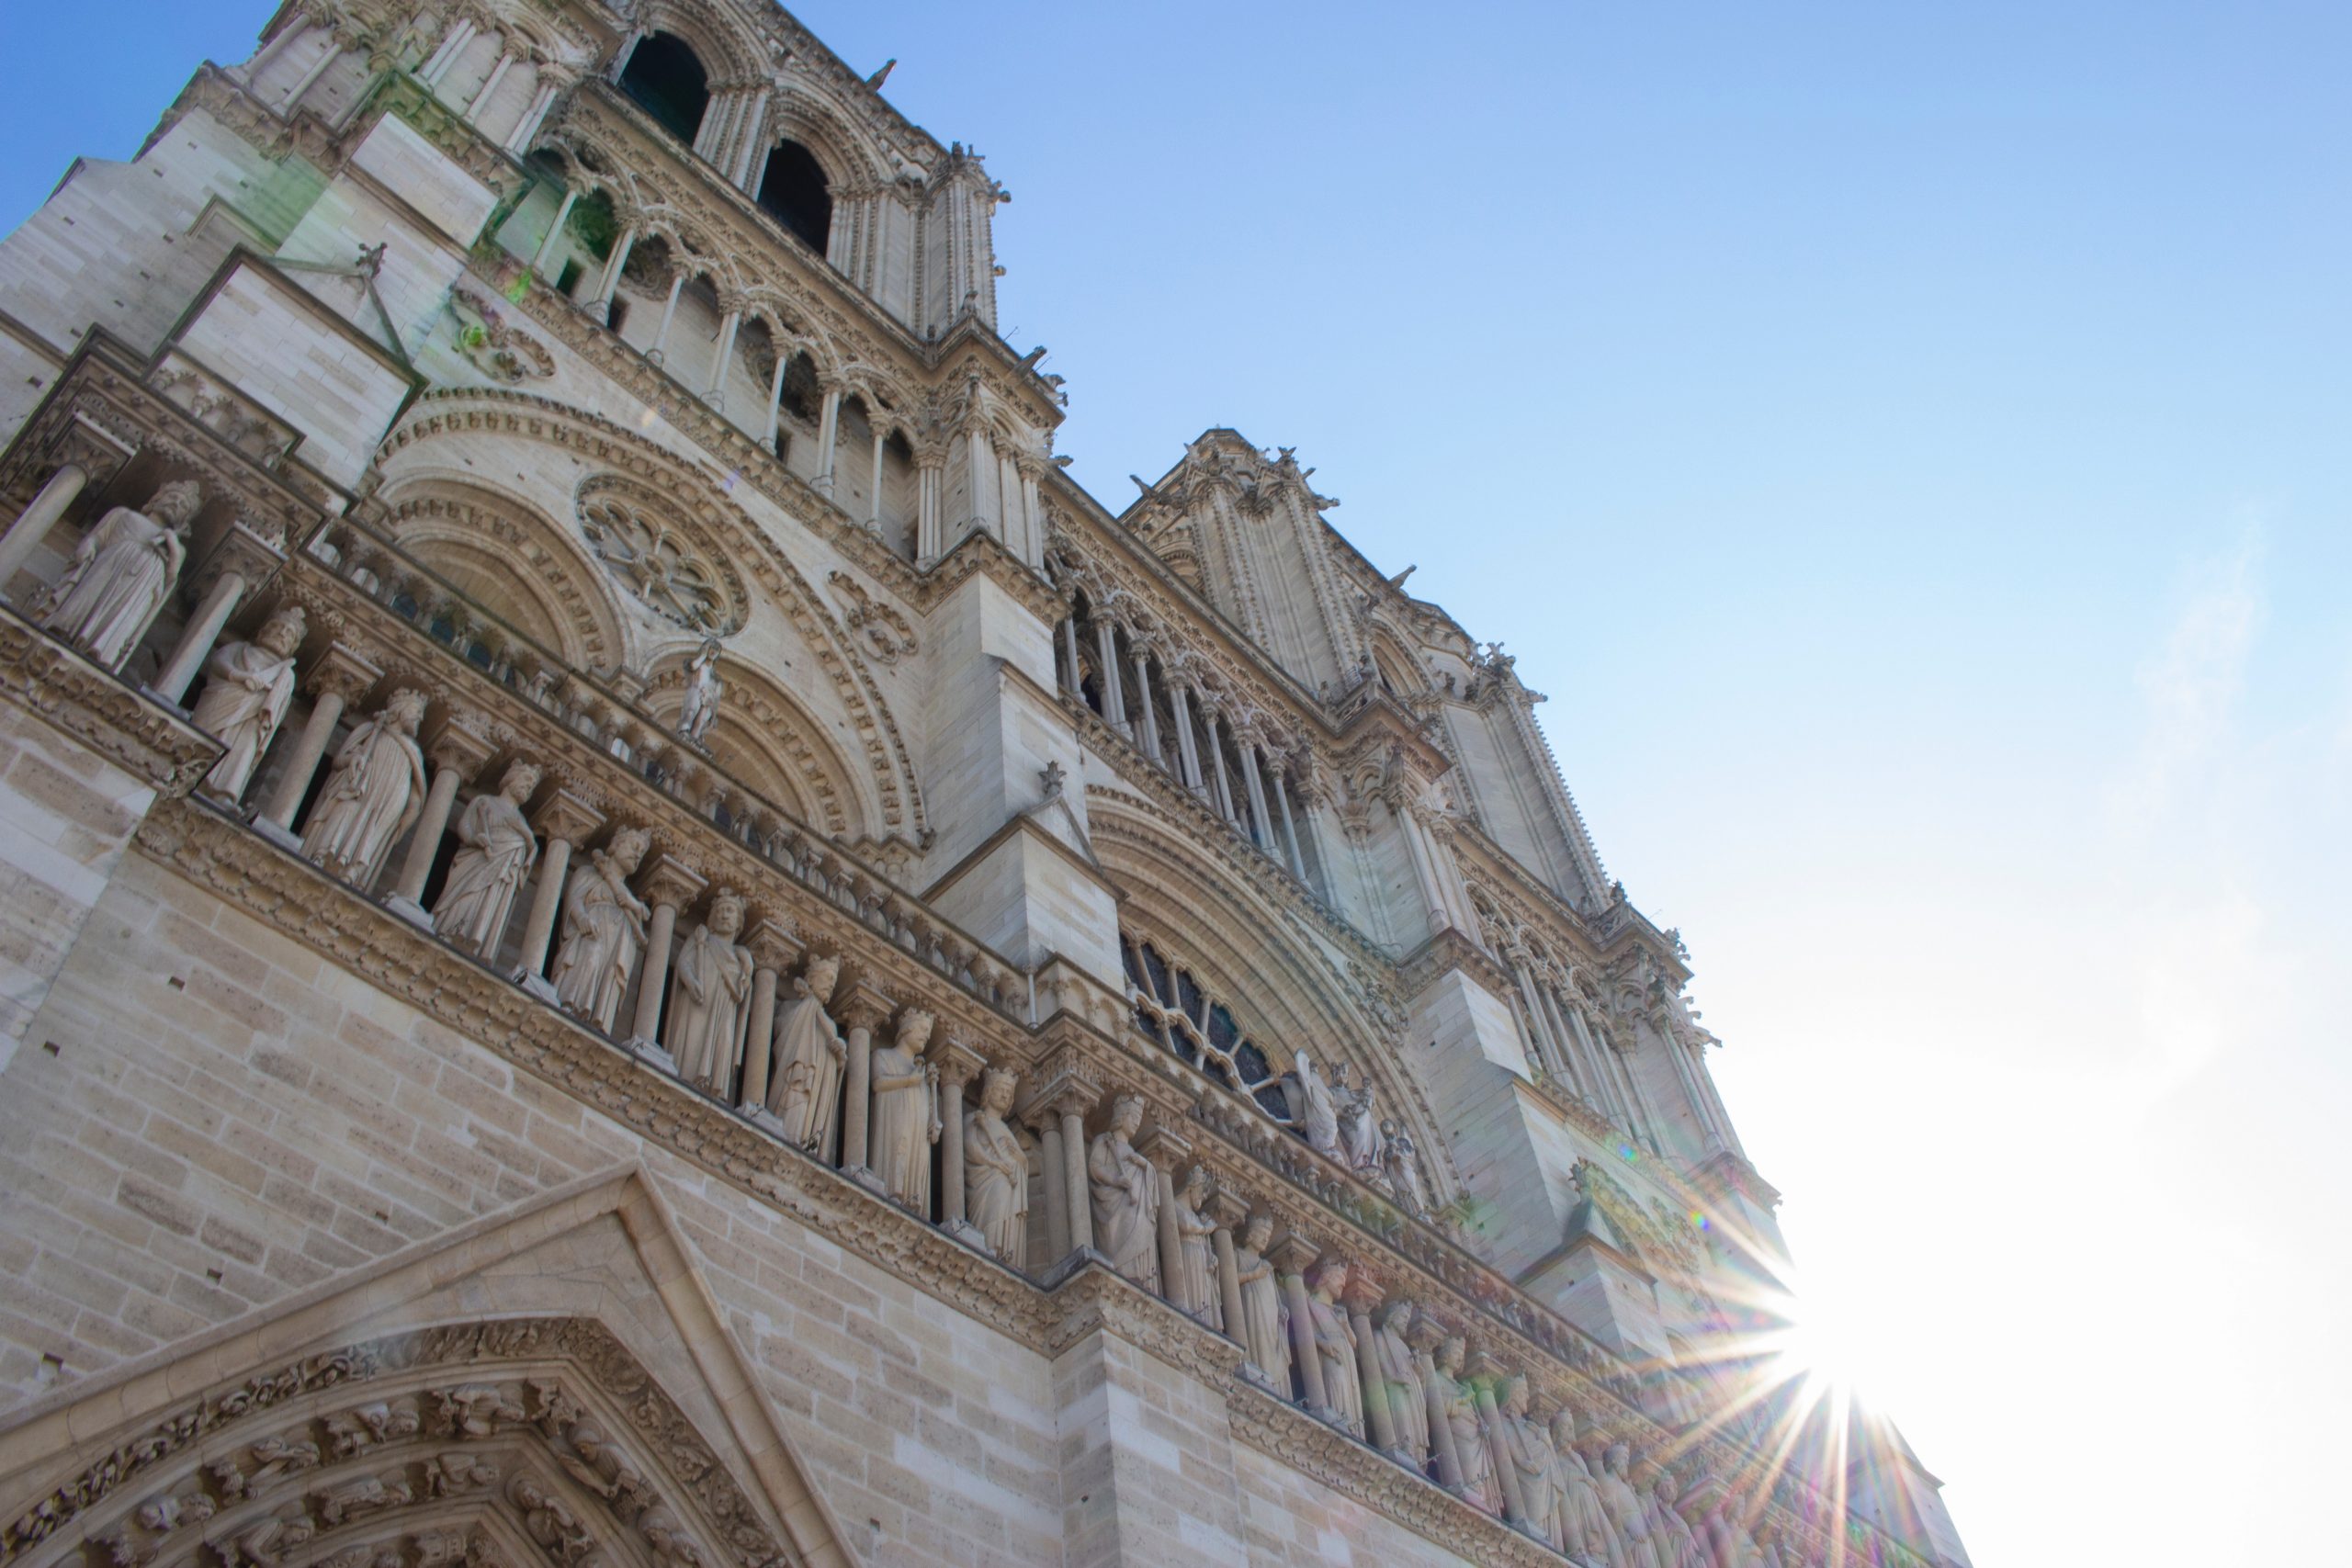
[375,791]
[124,571]
[710,997]
[495,851]
[996,1170]
[247,688]
[1124,1187]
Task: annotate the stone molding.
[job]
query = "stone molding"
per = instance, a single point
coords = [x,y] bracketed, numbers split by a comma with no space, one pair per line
[136,733]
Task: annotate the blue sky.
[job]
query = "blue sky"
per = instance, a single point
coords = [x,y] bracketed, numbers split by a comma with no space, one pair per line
[1909,444]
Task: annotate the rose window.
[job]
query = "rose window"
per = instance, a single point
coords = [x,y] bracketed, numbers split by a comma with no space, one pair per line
[657,563]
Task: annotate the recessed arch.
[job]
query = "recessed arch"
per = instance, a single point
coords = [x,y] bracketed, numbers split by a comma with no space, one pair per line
[1286,992]
[668,80]
[516,562]
[795,191]
[765,737]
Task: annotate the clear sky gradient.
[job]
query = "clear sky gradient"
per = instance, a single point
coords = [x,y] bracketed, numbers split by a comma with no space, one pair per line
[1909,444]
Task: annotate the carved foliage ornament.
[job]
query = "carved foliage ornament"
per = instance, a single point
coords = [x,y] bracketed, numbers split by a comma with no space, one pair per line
[656,561]
[492,346]
[881,629]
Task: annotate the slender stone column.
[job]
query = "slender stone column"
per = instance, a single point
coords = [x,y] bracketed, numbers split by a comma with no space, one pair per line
[716,393]
[771,949]
[33,523]
[656,354]
[339,675]
[490,86]
[311,78]
[976,463]
[874,502]
[457,752]
[1290,1257]
[555,232]
[518,138]
[1362,1295]
[1425,1336]
[1150,719]
[668,885]
[567,820]
[1032,509]
[1480,1369]
[929,477]
[1290,832]
[775,394]
[1181,695]
[747,155]
[1167,1152]
[1216,771]
[461,32]
[221,602]
[266,56]
[1072,1110]
[1049,1139]
[1114,698]
[829,430]
[1228,1211]
[959,1064]
[611,280]
[1070,655]
[1260,821]
[864,1012]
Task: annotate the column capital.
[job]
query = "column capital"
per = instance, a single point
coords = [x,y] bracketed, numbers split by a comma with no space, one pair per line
[960,1061]
[1167,1149]
[460,744]
[773,942]
[342,671]
[1364,1293]
[254,551]
[1229,1210]
[1425,1333]
[861,1007]
[1293,1253]
[569,816]
[670,881]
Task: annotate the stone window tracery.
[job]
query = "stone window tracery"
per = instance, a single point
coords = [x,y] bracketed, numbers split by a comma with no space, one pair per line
[656,563]
[1171,1005]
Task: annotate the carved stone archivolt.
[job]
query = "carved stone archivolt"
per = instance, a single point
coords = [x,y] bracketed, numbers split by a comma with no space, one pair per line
[889,637]
[546,1428]
[658,558]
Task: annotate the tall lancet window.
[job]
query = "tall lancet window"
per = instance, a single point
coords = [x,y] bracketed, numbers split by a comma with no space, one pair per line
[795,193]
[665,80]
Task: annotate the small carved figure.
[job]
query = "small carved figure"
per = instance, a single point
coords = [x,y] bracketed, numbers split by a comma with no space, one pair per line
[495,851]
[806,1092]
[1404,1165]
[906,1112]
[1335,1344]
[549,1522]
[1677,1545]
[1312,1113]
[361,1494]
[996,1170]
[603,926]
[1453,1399]
[1197,1249]
[1263,1317]
[247,688]
[672,1547]
[1408,1405]
[165,1513]
[475,1411]
[710,997]
[704,688]
[123,574]
[459,1471]
[266,1544]
[1360,1135]
[274,1457]
[375,791]
[601,1466]
[351,1431]
[1124,1191]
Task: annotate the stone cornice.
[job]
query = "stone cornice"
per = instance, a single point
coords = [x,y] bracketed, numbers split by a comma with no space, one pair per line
[137,734]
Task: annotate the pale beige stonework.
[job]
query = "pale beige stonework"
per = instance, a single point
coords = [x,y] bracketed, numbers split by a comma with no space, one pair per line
[1010,1033]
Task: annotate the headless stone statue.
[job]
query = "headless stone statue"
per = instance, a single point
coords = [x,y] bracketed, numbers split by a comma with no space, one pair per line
[123,574]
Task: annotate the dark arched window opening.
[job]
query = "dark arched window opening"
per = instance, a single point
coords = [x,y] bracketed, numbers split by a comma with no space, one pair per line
[795,192]
[666,81]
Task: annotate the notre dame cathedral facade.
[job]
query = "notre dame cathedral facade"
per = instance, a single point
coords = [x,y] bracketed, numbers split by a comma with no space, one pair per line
[634,935]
